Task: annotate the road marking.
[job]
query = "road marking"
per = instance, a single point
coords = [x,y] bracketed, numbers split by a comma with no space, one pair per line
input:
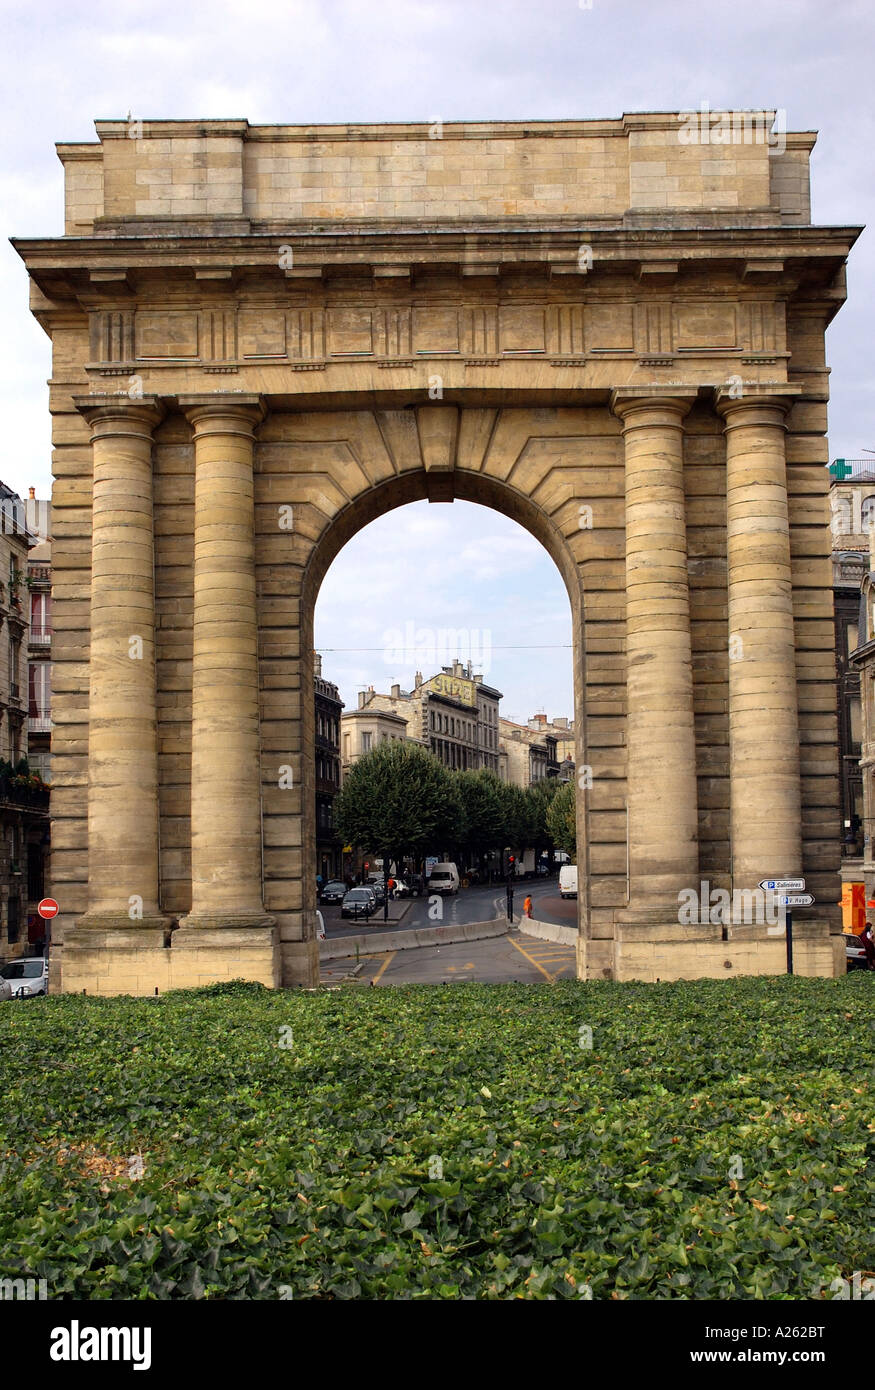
[530,959]
[388,961]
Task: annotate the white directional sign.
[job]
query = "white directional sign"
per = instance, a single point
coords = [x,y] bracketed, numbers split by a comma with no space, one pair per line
[782,885]
[795,900]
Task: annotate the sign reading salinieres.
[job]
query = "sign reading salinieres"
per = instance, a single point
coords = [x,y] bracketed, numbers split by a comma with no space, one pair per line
[782,885]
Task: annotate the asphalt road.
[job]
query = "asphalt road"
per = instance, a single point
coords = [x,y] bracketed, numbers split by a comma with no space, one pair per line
[481,904]
[515,958]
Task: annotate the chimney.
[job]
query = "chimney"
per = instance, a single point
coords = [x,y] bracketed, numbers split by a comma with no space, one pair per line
[417,680]
[396,692]
[317,663]
[362,697]
[31,492]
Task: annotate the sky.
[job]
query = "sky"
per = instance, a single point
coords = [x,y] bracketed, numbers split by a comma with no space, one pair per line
[64,64]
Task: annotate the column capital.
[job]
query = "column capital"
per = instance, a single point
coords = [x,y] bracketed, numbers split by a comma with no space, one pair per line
[111,414]
[672,403]
[225,412]
[759,401]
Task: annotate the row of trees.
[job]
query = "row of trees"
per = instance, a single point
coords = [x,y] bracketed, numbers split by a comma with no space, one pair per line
[400,801]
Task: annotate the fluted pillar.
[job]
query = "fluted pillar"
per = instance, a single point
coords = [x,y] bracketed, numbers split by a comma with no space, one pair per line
[765,795]
[122,724]
[225,770]
[661,744]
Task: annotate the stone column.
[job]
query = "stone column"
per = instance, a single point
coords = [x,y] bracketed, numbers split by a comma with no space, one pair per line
[765,795]
[661,744]
[225,755]
[122,727]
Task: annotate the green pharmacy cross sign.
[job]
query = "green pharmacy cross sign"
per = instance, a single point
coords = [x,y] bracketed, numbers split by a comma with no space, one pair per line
[840,469]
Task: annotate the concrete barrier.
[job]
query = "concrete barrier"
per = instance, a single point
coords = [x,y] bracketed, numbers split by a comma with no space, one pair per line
[376,943]
[548,931]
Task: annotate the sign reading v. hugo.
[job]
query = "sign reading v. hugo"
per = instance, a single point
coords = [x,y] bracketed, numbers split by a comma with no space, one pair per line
[455,688]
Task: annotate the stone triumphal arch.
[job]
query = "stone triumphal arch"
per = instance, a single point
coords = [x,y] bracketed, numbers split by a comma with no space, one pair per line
[265,336]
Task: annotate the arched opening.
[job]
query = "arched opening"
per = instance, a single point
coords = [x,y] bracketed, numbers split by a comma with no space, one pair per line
[349,520]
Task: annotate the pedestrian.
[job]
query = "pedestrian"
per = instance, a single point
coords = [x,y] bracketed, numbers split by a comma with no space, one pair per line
[527,905]
[868,945]
[390,885]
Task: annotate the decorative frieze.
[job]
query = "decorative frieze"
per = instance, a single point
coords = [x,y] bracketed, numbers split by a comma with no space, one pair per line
[655,331]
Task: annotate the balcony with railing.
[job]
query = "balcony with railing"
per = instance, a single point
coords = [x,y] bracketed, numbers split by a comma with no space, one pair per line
[40,635]
[39,723]
[853,470]
[21,791]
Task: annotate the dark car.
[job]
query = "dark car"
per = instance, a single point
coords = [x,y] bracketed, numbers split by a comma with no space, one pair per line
[333,892]
[377,887]
[359,902]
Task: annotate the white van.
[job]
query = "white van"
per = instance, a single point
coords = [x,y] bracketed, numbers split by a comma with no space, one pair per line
[444,878]
[568,881]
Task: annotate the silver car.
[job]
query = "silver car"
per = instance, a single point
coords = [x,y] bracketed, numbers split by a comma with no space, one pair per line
[27,976]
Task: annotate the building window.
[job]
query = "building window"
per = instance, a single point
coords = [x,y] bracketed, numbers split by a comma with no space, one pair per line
[856,722]
[852,639]
[35,873]
[867,512]
[366,743]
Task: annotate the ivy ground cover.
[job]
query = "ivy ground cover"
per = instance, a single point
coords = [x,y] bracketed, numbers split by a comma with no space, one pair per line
[697,1140]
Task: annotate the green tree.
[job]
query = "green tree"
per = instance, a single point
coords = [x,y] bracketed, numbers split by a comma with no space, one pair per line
[484,805]
[540,797]
[561,819]
[398,800]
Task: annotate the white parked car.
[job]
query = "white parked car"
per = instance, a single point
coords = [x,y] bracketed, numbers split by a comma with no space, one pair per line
[5,990]
[27,976]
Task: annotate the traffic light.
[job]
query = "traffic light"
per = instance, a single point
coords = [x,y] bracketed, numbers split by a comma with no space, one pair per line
[367,866]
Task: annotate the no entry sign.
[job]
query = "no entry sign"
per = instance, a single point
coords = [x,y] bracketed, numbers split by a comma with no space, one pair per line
[48,908]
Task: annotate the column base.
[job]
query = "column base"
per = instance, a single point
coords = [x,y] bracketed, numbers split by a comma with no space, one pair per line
[660,951]
[300,964]
[113,920]
[205,955]
[225,921]
[149,961]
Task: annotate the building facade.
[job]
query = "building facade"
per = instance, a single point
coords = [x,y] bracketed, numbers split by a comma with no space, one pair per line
[647,398]
[529,751]
[363,730]
[328,709]
[852,516]
[454,714]
[24,799]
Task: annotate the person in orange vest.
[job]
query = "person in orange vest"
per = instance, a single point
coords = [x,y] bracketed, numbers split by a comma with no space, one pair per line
[527,905]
